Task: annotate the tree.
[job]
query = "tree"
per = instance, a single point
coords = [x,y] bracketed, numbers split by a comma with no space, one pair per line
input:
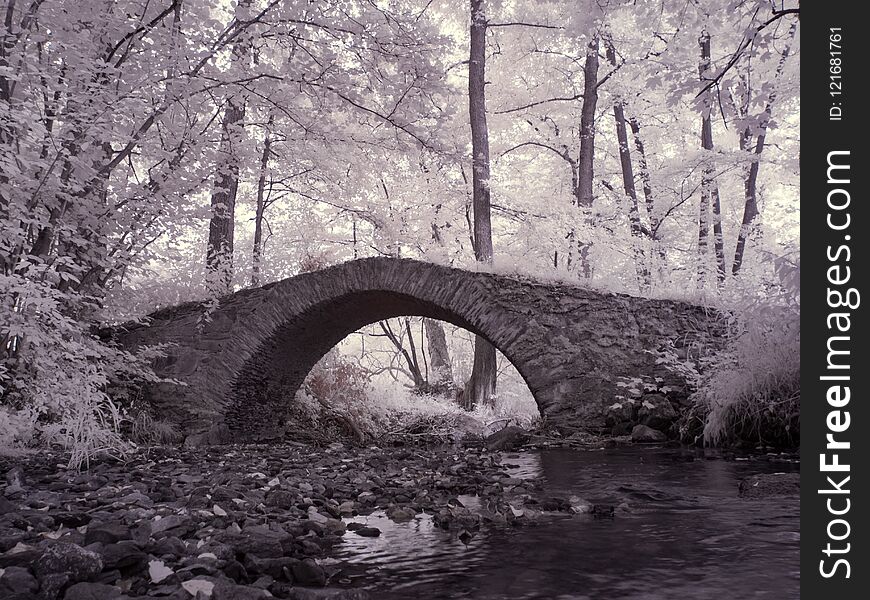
[628,179]
[709,189]
[586,161]
[439,355]
[221,226]
[750,186]
[480,387]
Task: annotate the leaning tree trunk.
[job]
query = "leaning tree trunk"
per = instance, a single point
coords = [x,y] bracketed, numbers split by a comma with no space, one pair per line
[709,188]
[628,184]
[649,199]
[481,385]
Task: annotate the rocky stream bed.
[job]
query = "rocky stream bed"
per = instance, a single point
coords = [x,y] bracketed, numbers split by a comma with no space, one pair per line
[240,522]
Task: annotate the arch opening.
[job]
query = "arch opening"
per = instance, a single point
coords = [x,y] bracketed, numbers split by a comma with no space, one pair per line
[267,385]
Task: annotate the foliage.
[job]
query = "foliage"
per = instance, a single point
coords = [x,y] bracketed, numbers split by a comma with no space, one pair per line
[752,396]
[110,129]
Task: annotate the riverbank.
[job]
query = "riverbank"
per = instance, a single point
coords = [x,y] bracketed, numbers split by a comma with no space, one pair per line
[250,521]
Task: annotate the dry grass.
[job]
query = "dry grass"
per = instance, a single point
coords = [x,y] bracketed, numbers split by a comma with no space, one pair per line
[753,396]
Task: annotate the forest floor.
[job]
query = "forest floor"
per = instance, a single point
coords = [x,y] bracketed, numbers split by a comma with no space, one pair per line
[236,521]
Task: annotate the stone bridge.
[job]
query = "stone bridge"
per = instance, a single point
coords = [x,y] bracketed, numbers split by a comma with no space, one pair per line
[243,361]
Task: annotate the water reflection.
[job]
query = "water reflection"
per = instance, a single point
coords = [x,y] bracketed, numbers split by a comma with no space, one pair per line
[685,534]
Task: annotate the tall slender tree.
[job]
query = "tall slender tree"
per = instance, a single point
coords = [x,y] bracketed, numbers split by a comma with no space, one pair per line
[481,385]
[221,227]
[709,188]
[586,161]
[628,185]
[750,182]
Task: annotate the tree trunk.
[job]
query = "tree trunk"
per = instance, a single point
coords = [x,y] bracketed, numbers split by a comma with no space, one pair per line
[750,183]
[709,189]
[585,172]
[261,210]
[649,200]
[414,371]
[439,354]
[221,227]
[481,385]
[628,183]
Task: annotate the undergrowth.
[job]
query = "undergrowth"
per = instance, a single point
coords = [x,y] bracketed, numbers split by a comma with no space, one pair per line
[751,395]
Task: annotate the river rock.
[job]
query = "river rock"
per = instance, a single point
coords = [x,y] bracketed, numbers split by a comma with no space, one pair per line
[106,533]
[767,484]
[232,591]
[258,541]
[367,531]
[91,591]
[507,439]
[621,429]
[645,434]
[7,507]
[169,546]
[624,411]
[71,560]
[281,499]
[308,572]
[177,525]
[123,555]
[17,580]
[656,412]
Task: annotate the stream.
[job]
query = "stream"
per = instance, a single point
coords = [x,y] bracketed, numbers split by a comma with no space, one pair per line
[685,535]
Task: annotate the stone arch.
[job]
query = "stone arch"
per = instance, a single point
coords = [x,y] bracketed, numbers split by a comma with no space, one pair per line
[276,370]
[241,361]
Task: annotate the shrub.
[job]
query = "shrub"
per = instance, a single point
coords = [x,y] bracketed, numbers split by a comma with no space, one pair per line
[752,394]
[334,400]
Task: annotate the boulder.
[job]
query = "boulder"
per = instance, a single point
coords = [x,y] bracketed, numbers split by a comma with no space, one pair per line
[656,412]
[645,435]
[367,531]
[621,412]
[511,437]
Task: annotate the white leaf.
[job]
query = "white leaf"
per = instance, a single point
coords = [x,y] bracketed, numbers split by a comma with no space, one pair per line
[159,571]
[194,586]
